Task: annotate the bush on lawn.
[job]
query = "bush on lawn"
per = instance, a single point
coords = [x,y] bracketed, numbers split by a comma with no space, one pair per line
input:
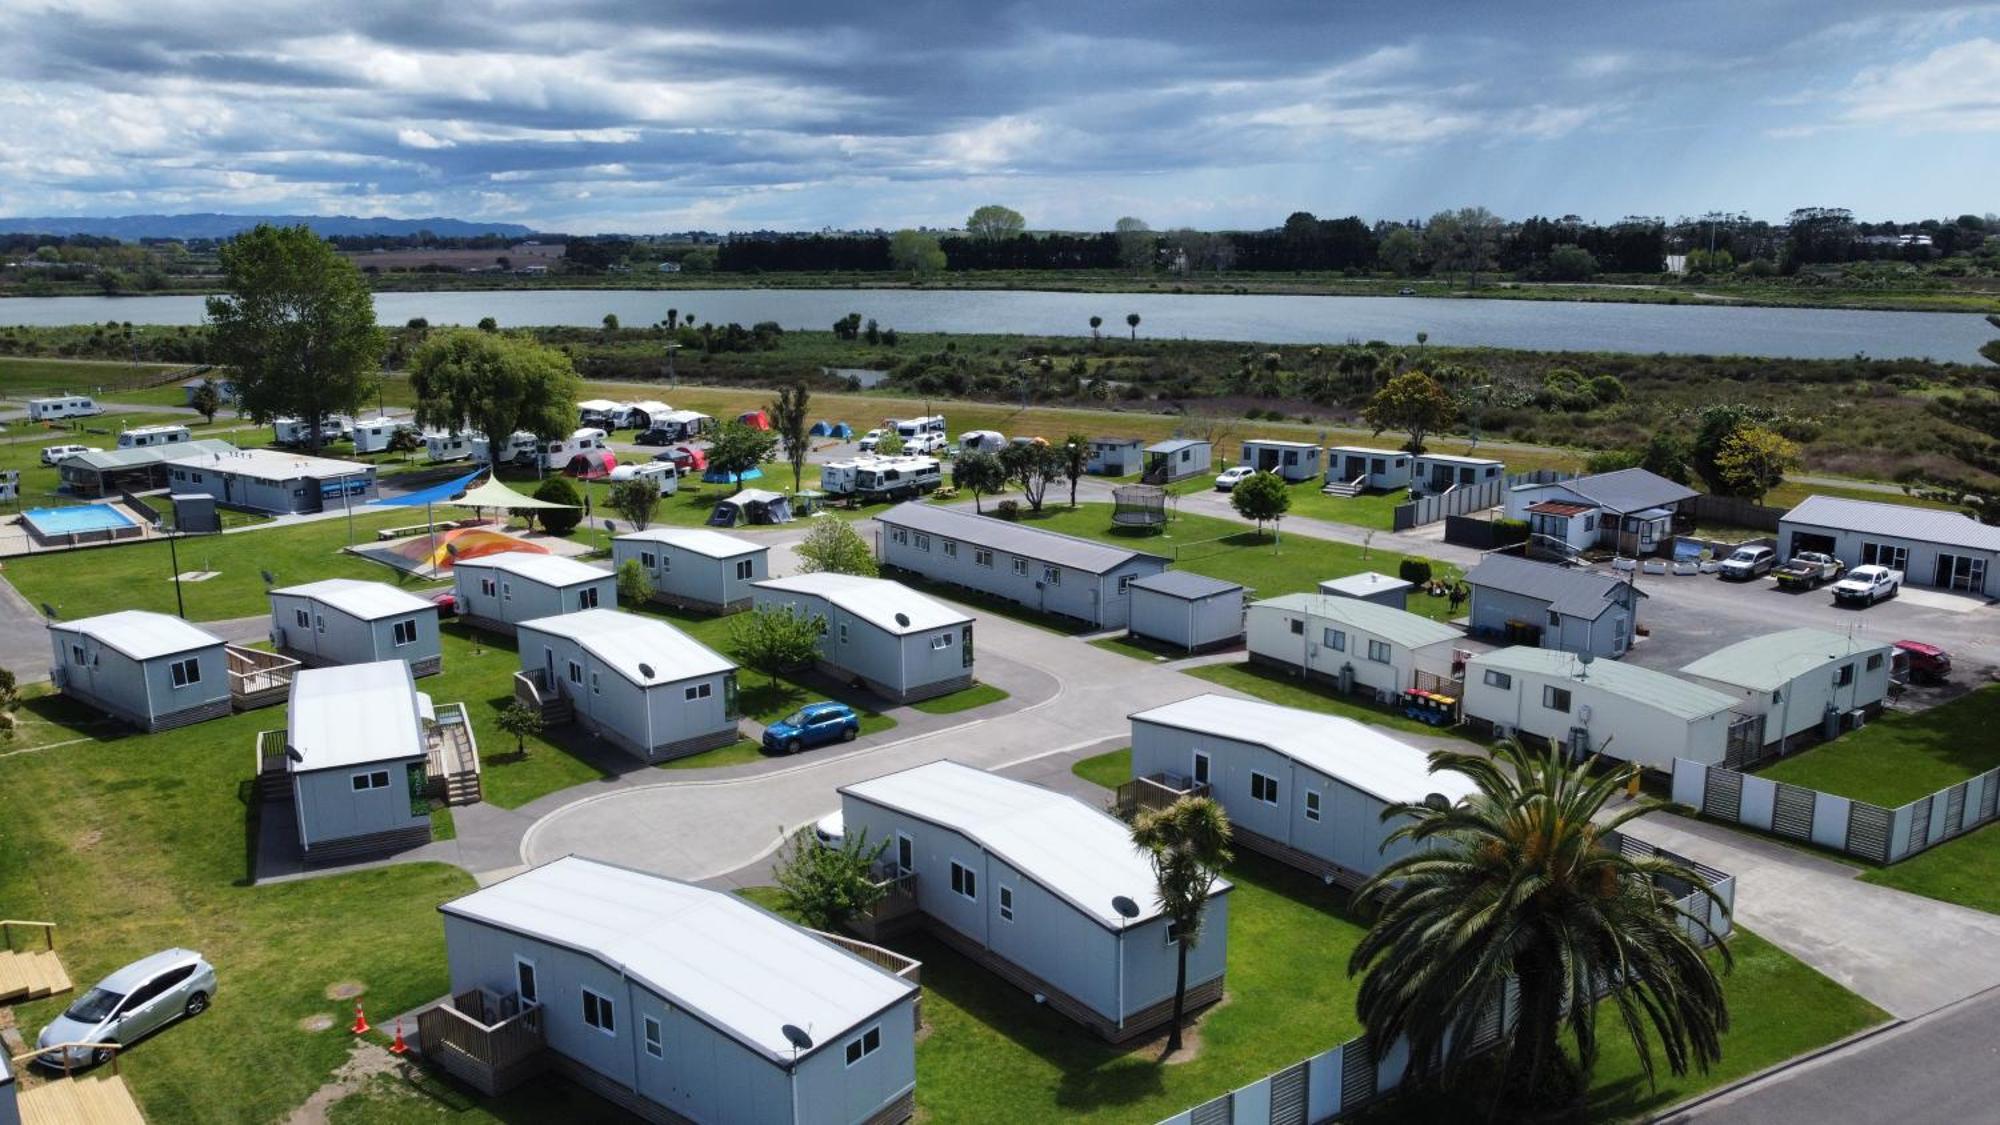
[559,521]
[1415,571]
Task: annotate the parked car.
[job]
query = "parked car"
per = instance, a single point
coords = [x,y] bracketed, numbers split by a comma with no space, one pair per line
[1808,570]
[870,440]
[1746,563]
[1406,291]
[1924,662]
[1229,478]
[1868,585]
[656,436]
[830,830]
[815,724]
[446,603]
[55,454]
[128,1005]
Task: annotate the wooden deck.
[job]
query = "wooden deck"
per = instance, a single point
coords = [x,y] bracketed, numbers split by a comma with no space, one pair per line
[451,759]
[91,1100]
[28,973]
[258,678]
[490,1057]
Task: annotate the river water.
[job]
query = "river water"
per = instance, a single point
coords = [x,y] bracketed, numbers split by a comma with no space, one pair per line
[1540,325]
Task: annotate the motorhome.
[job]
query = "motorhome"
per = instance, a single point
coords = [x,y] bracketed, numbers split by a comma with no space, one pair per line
[295,431]
[600,411]
[556,454]
[892,478]
[520,446]
[142,436]
[661,474]
[62,406]
[836,478]
[373,435]
[907,428]
[674,425]
[441,447]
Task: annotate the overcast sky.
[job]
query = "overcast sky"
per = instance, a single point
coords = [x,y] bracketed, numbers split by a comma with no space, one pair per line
[648,115]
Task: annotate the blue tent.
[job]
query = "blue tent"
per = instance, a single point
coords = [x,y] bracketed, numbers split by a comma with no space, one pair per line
[840,430]
[719,476]
[820,429]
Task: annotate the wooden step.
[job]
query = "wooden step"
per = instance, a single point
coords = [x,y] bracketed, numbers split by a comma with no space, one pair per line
[31,975]
[90,1100]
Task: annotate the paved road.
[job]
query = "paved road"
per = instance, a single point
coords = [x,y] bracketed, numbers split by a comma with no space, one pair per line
[1935,1071]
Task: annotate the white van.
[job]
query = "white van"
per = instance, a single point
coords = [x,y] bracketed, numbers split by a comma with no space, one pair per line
[890,478]
[142,436]
[56,454]
[556,454]
[908,428]
[440,447]
[62,406]
[661,473]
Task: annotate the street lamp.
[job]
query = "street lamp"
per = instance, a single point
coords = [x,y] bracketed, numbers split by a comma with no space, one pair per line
[673,379]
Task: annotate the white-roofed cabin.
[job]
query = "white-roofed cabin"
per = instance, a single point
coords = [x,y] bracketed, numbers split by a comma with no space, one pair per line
[348,621]
[638,682]
[902,645]
[501,591]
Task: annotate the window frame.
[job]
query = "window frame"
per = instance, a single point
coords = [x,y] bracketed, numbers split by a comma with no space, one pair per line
[1311,805]
[653,1036]
[964,881]
[982,556]
[1267,783]
[185,672]
[1551,695]
[606,1016]
[1380,652]
[1005,901]
[403,633]
[863,1045]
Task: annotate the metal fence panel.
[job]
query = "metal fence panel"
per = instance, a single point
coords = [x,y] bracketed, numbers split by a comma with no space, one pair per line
[1829,827]
[1288,1096]
[1724,795]
[1870,828]
[1211,1113]
[1251,1105]
[1758,799]
[1989,800]
[1954,811]
[1792,812]
[1323,1081]
[1919,836]
[1357,1074]
[1690,783]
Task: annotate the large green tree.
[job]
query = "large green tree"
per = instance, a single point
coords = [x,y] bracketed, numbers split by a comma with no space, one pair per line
[994,223]
[296,325]
[1261,497]
[791,420]
[824,887]
[1034,467]
[495,384]
[776,638]
[1414,403]
[916,253]
[979,474]
[1518,888]
[1187,844]
[1753,461]
[835,547]
[736,449]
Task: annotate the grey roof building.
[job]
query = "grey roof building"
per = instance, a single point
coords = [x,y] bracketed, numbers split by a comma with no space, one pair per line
[1187,610]
[137,469]
[695,567]
[1931,547]
[269,480]
[348,621]
[638,682]
[355,753]
[1630,511]
[1177,459]
[1547,606]
[152,670]
[903,645]
[501,591]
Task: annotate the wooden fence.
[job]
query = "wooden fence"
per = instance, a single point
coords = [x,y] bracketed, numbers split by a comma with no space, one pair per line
[1468,498]
[1842,824]
[1736,511]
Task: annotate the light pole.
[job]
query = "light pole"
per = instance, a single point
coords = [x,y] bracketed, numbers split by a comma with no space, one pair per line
[174,560]
[673,379]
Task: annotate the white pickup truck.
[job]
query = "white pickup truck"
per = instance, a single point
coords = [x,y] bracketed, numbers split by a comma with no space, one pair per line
[1868,585]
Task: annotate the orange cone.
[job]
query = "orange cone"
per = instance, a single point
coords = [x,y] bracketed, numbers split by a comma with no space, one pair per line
[398,1047]
[360,1021]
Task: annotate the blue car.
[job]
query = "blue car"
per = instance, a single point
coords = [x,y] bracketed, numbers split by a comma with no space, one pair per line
[815,724]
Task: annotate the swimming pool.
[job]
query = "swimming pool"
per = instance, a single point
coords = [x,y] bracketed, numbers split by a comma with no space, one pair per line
[79,523]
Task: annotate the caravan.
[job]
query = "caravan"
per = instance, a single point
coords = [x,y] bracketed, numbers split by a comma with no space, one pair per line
[672,426]
[519,447]
[440,447]
[294,431]
[892,478]
[662,475]
[373,435]
[143,436]
[557,454]
[62,406]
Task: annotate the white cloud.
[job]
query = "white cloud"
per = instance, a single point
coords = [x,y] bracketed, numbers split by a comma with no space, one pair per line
[1953,88]
[421,138]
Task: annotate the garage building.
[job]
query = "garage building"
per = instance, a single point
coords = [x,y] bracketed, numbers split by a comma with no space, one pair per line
[1931,547]
[1190,611]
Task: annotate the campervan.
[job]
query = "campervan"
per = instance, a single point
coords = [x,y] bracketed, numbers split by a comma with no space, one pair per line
[661,474]
[373,435]
[982,441]
[890,478]
[519,447]
[836,478]
[599,412]
[556,454]
[907,428]
[440,447]
[62,406]
[674,425]
[143,436]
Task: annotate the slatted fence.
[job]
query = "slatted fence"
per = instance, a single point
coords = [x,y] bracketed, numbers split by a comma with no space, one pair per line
[1842,824]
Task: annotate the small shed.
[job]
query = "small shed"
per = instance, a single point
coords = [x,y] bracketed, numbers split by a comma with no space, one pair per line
[195,514]
[1609,707]
[695,567]
[752,505]
[1354,469]
[1293,461]
[1046,891]
[348,621]
[501,591]
[152,670]
[1356,644]
[1177,459]
[637,682]
[1191,612]
[355,755]
[1305,788]
[900,644]
[1800,682]
[1114,456]
[1370,586]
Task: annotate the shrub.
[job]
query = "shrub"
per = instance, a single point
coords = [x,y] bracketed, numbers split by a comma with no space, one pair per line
[1416,571]
[1506,533]
[559,521]
[1009,509]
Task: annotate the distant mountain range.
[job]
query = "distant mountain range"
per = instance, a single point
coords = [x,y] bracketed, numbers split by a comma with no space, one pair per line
[134,227]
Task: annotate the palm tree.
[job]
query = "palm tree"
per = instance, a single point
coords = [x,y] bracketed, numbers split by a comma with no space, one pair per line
[1132,322]
[1516,887]
[1096,322]
[1188,845]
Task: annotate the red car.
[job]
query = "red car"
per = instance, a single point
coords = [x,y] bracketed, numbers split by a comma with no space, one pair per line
[1921,661]
[446,603]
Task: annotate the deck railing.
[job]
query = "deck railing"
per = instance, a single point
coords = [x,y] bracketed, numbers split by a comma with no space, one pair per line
[1156,791]
[48,931]
[254,673]
[491,1056]
[906,968]
[109,1048]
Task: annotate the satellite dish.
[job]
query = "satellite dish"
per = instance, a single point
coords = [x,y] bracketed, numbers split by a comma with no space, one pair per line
[1125,907]
[1585,658]
[49,612]
[646,670]
[1437,801]
[611,527]
[269,578]
[797,1037]
[903,619]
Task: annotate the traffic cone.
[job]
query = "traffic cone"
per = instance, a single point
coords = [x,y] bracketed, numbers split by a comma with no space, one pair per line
[360,1021]
[398,1047]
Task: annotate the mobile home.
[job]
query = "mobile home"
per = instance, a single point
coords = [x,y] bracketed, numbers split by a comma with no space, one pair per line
[675,1002]
[1442,472]
[140,437]
[1304,788]
[1620,710]
[1522,602]
[1800,682]
[373,435]
[696,567]
[152,670]
[1630,511]
[355,755]
[56,407]
[1353,643]
[1361,468]
[641,684]
[1176,459]
[346,621]
[1294,461]
[901,644]
[1115,456]
[1043,889]
[501,591]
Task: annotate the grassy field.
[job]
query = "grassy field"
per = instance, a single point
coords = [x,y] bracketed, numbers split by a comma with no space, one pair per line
[978,695]
[1903,755]
[1275,686]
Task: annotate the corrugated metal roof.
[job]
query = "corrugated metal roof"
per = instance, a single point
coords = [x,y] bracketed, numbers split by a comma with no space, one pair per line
[1569,591]
[1900,521]
[1454,459]
[140,634]
[1073,850]
[1658,690]
[105,460]
[890,606]
[1015,539]
[1393,625]
[1279,442]
[1629,490]
[701,541]
[741,970]
[1368,450]
[1114,441]
[369,601]
[1186,585]
[1359,755]
[1773,660]
[549,570]
[270,464]
[1174,445]
[627,641]
[351,714]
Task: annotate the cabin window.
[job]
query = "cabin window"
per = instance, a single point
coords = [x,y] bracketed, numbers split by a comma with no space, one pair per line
[666,564]
[1297,625]
[406,633]
[1021,566]
[1874,662]
[843,632]
[303,618]
[1124,584]
[1312,805]
[1590,522]
[1052,575]
[1500,680]
[76,655]
[923,542]
[1843,675]
[1378,651]
[321,619]
[1200,768]
[593,685]
[1555,698]
[524,980]
[982,557]
[189,671]
[653,1046]
[374,779]
[507,590]
[941,642]
[951,548]
[599,1012]
[906,854]
[1555,620]
[964,881]
[1336,639]
[898,535]
[743,568]
[700,691]
[1263,787]
[649,560]
[586,598]
[488,587]
[864,1044]
[1006,904]
[575,672]
[1173,932]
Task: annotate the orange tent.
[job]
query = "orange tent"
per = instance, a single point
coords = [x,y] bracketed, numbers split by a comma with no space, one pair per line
[462,543]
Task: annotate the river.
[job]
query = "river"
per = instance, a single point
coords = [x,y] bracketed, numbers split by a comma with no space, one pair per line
[1538,325]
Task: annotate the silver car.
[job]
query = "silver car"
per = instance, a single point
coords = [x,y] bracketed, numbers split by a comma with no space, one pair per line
[130,1004]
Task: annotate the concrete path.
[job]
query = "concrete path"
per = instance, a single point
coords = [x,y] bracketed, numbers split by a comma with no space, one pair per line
[1906,954]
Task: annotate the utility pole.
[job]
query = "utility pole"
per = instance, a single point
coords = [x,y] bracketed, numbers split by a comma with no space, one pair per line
[174,558]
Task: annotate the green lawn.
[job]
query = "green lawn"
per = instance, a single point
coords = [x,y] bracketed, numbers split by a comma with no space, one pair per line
[479,669]
[25,377]
[1140,648]
[136,843]
[1110,769]
[1370,509]
[1903,755]
[978,695]
[1965,871]
[1275,686]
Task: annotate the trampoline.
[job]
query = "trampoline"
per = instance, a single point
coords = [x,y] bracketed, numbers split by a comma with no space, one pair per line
[1139,505]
